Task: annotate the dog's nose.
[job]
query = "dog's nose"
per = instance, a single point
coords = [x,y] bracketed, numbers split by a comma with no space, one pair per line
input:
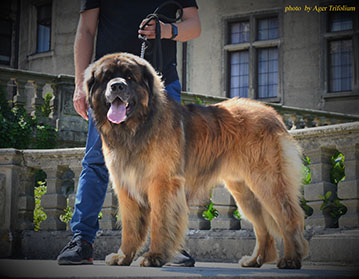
[118,86]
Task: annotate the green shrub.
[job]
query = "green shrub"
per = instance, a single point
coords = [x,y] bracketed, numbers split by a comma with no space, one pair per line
[39,214]
[20,130]
[210,213]
[331,203]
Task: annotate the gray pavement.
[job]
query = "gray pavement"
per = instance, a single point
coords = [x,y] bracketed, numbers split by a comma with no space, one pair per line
[50,269]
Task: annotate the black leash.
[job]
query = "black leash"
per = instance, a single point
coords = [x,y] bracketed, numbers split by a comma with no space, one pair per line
[157,48]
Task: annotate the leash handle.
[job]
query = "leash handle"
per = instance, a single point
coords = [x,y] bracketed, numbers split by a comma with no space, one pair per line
[157,51]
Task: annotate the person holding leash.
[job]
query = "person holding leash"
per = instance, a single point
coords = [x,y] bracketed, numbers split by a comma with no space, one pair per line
[116,25]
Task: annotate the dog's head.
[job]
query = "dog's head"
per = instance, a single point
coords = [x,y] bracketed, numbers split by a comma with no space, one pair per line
[121,87]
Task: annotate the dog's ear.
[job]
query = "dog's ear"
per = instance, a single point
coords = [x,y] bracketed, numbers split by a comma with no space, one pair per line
[89,81]
[148,78]
[152,79]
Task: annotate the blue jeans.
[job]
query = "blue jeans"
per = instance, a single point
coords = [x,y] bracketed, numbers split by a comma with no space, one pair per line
[93,180]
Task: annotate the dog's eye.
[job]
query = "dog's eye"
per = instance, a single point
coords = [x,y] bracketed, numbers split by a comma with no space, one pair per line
[129,77]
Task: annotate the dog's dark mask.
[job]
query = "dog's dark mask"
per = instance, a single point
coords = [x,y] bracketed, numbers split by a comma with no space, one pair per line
[119,89]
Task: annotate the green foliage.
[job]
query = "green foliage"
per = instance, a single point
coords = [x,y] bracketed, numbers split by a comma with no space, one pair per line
[46,109]
[337,172]
[198,101]
[332,205]
[66,217]
[210,213]
[306,179]
[20,130]
[308,211]
[237,215]
[306,172]
[16,125]
[39,214]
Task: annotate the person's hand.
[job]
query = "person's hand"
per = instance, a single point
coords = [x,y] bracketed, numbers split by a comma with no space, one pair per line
[150,30]
[80,102]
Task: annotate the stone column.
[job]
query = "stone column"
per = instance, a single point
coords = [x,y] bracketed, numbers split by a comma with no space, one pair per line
[348,189]
[20,97]
[320,170]
[196,220]
[53,202]
[26,201]
[109,210]
[10,176]
[225,204]
[37,99]
[77,172]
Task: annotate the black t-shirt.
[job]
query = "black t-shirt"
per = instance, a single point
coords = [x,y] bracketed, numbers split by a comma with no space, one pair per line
[118,25]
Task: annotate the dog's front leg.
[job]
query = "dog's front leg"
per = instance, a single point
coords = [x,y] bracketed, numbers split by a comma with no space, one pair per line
[168,219]
[134,219]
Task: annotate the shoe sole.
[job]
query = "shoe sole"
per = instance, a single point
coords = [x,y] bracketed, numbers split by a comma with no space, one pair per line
[183,264]
[67,262]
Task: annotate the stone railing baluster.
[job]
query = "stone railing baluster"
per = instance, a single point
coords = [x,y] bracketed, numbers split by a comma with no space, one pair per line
[109,210]
[53,202]
[320,184]
[20,98]
[225,204]
[348,189]
[196,220]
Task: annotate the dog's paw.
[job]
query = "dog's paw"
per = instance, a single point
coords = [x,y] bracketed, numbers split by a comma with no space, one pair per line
[152,260]
[248,261]
[284,263]
[116,259]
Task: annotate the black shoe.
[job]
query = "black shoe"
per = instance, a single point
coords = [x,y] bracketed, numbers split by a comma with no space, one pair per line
[77,251]
[182,258]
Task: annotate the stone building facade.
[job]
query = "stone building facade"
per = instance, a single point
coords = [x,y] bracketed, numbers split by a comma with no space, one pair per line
[295,53]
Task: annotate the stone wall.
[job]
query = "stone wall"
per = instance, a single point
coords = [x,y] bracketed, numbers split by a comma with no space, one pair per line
[17,169]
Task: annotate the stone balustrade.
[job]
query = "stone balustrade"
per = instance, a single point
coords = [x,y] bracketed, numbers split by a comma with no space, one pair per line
[28,88]
[18,168]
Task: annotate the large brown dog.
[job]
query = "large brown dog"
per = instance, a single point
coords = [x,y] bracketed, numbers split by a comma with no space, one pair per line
[162,155]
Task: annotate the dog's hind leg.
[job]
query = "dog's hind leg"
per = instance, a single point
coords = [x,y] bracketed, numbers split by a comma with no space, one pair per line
[265,250]
[275,182]
[168,219]
[135,221]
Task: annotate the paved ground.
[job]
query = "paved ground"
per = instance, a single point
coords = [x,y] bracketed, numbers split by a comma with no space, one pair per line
[50,269]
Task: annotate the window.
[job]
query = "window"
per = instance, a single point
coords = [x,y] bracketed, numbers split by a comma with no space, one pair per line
[239,73]
[253,58]
[267,72]
[340,65]
[43,27]
[5,33]
[341,33]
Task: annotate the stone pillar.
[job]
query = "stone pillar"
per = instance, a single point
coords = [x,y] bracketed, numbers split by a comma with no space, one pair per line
[20,97]
[109,210]
[196,220]
[225,204]
[348,189]
[77,172]
[53,202]
[26,201]
[37,99]
[320,170]
[10,171]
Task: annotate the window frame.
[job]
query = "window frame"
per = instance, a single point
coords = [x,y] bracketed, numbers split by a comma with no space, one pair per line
[330,36]
[252,46]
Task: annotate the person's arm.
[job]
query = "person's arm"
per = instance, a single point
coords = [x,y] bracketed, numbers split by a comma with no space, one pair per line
[189,28]
[83,50]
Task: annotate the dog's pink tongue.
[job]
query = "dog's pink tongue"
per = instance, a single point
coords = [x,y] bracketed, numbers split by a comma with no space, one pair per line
[117,112]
